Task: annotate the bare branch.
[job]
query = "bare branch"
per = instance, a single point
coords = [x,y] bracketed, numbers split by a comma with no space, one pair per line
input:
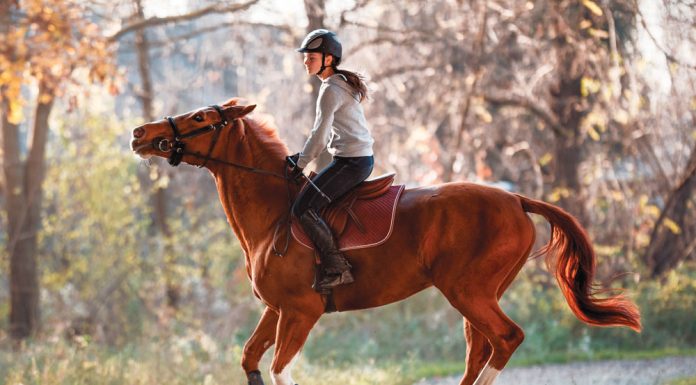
[671,58]
[358,4]
[155,21]
[232,24]
[527,103]
[479,47]
[386,40]
[400,70]
[382,28]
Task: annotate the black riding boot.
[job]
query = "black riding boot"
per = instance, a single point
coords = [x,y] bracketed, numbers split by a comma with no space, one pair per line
[335,269]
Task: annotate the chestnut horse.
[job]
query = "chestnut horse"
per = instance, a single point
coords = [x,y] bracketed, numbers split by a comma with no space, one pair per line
[468,240]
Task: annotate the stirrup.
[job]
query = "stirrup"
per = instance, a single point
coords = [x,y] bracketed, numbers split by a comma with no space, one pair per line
[331,281]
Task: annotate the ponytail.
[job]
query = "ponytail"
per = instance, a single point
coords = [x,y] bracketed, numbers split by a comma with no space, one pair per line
[356,82]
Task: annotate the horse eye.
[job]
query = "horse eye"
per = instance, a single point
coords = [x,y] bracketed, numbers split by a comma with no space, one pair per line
[198,118]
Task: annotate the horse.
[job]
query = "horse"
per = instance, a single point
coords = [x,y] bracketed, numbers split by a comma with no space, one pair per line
[468,240]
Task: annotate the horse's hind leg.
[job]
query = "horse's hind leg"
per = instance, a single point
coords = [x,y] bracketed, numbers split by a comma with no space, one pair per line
[486,325]
[478,351]
[502,333]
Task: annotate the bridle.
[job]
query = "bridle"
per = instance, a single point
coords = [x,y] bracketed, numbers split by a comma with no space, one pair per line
[178,150]
[178,147]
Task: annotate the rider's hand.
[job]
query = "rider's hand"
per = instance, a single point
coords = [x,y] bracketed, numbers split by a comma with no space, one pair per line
[292,160]
[295,170]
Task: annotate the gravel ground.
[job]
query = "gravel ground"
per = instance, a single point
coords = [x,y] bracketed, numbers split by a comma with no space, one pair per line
[643,372]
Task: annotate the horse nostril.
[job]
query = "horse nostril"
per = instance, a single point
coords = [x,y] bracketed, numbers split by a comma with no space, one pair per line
[138,132]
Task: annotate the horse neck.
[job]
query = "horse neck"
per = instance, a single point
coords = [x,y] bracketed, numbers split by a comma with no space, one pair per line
[253,202]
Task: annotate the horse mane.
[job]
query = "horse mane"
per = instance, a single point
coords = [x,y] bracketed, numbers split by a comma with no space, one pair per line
[266,134]
[264,131]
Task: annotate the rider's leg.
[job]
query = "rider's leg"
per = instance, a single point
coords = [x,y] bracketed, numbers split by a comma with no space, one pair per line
[334,181]
[335,266]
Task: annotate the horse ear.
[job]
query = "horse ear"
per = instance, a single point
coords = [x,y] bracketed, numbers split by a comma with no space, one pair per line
[239,111]
[231,102]
[247,109]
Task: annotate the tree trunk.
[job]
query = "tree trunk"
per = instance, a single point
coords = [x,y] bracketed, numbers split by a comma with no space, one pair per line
[567,106]
[670,244]
[160,195]
[23,206]
[23,181]
[316,10]
[469,92]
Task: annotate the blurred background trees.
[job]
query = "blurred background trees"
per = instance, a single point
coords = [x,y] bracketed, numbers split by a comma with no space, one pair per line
[587,104]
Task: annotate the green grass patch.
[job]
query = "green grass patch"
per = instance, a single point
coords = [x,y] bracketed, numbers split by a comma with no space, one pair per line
[195,359]
[418,370]
[682,381]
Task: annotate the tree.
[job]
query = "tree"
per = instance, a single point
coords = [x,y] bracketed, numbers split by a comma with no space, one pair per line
[138,25]
[674,230]
[44,42]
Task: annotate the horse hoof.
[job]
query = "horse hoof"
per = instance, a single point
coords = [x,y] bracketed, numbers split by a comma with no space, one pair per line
[255,378]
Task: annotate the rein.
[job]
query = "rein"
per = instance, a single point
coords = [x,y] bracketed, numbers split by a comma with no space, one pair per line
[178,150]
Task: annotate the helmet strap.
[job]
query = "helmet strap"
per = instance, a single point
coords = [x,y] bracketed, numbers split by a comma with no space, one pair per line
[323,66]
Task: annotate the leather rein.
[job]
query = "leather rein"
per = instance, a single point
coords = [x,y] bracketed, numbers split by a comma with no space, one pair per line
[178,150]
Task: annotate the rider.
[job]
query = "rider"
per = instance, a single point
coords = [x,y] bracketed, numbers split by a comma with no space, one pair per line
[341,127]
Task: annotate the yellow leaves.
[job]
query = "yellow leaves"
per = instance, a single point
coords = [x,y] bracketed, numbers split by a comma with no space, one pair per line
[693,102]
[54,280]
[545,159]
[16,115]
[558,193]
[592,132]
[593,122]
[587,24]
[45,98]
[608,250]
[672,226]
[593,7]
[647,208]
[589,86]
[483,114]
[652,210]
[46,42]
[598,33]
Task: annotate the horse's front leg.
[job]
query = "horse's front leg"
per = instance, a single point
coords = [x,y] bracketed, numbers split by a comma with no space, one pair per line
[261,339]
[293,328]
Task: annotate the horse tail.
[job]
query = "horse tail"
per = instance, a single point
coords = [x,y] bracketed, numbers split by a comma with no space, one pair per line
[570,257]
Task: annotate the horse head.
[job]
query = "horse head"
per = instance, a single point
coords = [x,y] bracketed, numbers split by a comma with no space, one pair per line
[189,137]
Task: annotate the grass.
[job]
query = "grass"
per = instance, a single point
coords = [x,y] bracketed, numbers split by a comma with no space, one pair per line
[442,369]
[196,359]
[683,381]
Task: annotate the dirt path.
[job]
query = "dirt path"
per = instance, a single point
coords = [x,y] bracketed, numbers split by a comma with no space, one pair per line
[644,372]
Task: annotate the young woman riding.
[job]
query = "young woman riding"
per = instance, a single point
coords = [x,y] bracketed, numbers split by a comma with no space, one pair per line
[339,126]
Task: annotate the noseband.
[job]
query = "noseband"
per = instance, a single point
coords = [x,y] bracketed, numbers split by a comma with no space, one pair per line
[178,147]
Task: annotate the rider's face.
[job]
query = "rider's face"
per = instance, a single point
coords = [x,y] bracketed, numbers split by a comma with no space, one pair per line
[312,62]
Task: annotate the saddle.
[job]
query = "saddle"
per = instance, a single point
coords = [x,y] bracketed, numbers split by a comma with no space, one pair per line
[363,218]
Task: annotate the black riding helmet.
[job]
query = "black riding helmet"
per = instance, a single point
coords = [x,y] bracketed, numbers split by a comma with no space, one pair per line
[324,41]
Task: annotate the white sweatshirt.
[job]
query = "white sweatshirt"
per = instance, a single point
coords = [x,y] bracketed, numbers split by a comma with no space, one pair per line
[340,122]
